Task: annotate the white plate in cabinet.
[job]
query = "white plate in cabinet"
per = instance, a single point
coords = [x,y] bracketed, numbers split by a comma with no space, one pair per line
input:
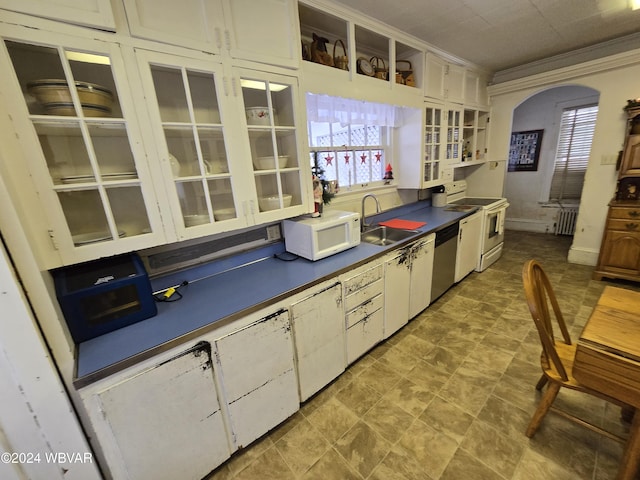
[318,335]
[258,377]
[365,334]
[165,422]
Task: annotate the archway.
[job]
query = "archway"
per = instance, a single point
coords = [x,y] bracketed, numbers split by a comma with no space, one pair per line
[528,190]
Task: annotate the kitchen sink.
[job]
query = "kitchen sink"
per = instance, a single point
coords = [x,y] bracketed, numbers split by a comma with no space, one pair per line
[386,236]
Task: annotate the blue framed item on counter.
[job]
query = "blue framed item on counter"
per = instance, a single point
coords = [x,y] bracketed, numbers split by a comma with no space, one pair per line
[524,151]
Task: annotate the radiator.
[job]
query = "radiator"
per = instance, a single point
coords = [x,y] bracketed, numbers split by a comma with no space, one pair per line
[566,221]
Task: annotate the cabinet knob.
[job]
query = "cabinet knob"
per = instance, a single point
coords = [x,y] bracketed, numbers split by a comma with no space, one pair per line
[632,226]
[634,213]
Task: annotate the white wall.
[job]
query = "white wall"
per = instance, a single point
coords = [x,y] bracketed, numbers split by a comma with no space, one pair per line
[528,191]
[616,78]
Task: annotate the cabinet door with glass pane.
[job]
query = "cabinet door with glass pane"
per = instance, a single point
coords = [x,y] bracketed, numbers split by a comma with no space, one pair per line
[191,129]
[453,149]
[432,143]
[81,141]
[271,108]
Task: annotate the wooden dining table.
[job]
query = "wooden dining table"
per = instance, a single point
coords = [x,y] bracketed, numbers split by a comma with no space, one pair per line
[608,361]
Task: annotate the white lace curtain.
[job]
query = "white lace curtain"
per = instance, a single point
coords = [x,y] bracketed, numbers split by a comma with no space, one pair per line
[347,111]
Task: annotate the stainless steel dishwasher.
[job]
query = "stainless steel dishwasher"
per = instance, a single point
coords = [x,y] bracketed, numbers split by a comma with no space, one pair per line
[444,260]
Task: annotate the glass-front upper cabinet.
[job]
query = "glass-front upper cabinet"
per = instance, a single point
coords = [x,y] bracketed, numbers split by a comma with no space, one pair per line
[85,149]
[270,107]
[453,148]
[432,143]
[191,123]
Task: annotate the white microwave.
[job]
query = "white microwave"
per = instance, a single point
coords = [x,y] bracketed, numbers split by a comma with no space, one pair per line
[316,238]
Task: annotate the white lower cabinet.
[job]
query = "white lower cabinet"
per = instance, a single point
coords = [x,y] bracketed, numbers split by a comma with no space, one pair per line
[318,334]
[183,413]
[164,422]
[364,314]
[469,240]
[365,326]
[407,283]
[397,282]
[257,376]
[421,273]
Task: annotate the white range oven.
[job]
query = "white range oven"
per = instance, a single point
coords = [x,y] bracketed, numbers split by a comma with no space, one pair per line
[493,209]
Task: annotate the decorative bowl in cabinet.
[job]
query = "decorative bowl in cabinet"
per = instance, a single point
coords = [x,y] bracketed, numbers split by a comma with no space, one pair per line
[259,115]
[272,202]
[67,109]
[54,94]
[268,163]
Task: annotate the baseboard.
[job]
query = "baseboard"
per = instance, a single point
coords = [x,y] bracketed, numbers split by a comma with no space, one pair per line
[526,225]
[583,256]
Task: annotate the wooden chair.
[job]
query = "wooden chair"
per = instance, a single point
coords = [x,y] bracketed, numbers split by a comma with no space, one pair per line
[557,356]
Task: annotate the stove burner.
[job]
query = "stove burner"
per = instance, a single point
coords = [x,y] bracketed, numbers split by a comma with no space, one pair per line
[476,201]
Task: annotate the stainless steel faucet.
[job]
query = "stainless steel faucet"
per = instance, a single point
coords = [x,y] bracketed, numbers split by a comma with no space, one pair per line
[364,224]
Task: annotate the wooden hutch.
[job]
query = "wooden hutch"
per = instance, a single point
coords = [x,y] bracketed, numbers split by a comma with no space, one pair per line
[620,250]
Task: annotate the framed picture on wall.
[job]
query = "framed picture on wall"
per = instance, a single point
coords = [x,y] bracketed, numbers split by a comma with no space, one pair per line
[524,151]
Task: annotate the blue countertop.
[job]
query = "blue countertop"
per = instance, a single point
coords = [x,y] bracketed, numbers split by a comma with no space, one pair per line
[231,289]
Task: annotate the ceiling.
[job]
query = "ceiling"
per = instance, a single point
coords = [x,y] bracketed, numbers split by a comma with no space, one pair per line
[502,34]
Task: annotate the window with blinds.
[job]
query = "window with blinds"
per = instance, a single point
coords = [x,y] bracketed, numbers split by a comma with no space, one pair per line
[574,146]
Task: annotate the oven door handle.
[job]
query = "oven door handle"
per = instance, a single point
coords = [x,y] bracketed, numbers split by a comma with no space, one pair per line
[500,212]
[497,209]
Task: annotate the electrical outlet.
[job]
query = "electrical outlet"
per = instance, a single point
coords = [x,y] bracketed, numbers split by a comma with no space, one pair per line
[273,232]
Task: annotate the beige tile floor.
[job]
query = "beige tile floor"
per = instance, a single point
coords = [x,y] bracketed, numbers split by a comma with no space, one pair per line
[449,396]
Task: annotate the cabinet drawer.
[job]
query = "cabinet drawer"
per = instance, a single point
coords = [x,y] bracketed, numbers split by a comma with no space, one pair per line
[626,225]
[631,213]
[366,293]
[364,335]
[363,279]
[365,309]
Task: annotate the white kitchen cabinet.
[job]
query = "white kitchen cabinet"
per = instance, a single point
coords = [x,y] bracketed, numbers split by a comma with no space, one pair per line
[436,151]
[192,118]
[318,334]
[72,109]
[397,284]
[263,31]
[197,116]
[257,375]
[435,70]
[454,83]
[197,24]
[469,240]
[165,421]
[421,273]
[407,283]
[474,135]
[364,304]
[270,113]
[453,134]
[443,80]
[367,329]
[89,13]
